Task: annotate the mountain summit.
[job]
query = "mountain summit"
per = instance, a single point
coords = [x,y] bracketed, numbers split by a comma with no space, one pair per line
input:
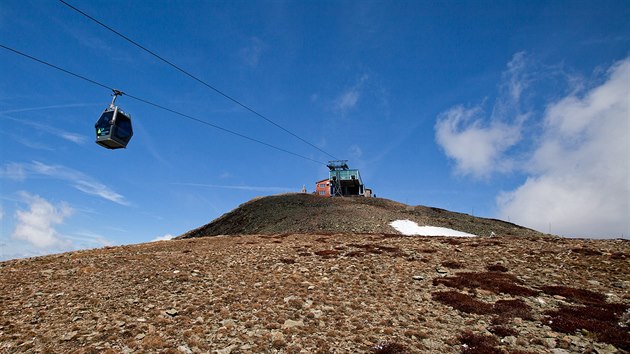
[306,213]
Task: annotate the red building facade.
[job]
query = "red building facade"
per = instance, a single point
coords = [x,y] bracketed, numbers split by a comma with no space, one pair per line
[322,188]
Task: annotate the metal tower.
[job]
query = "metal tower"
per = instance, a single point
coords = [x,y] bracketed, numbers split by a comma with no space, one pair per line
[335,176]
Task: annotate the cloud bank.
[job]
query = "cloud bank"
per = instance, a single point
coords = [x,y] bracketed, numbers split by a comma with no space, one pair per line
[36,230]
[578,183]
[575,162]
[36,225]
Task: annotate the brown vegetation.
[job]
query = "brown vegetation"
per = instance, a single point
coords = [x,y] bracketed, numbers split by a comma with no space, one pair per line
[478,344]
[603,323]
[492,281]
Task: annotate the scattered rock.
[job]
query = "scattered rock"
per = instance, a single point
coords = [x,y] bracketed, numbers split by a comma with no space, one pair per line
[317,313]
[549,342]
[277,339]
[605,349]
[228,323]
[226,350]
[184,349]
[560,351]
[441,270]
[292,323]
[69,336]
[622,284]
[511,340]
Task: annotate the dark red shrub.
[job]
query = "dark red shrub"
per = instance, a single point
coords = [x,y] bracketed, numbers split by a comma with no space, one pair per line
[602,322]
[327,253]
[453,265]
[513,308]
[619,256]
[478,343]
[586,251]
[491,281]
[578,295]
[389,348]
[503,331]
[463,302]
[496,268]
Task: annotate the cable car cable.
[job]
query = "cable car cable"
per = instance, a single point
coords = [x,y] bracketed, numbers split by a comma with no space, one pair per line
[194,77]
[158,105]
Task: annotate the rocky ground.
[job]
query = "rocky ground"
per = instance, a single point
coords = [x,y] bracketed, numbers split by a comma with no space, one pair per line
[322,293]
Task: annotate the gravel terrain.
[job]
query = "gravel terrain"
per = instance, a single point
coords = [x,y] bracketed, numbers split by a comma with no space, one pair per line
[322,293]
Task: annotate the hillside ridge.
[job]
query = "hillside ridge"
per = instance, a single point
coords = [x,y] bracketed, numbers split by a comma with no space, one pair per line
[306,213]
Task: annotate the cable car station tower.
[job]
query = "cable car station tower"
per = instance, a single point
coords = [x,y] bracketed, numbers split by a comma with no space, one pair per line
[343,180]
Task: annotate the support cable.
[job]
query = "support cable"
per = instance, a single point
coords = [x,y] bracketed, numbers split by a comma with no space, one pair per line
[157,105]
[234,100]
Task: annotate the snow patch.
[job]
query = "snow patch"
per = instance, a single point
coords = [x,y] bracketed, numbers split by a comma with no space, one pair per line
[163,238]
[411,228]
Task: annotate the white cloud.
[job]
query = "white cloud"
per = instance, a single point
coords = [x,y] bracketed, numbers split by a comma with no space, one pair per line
[75,138]
[515,77]
[35,232]
[163,238]
[252,53]
[79,180]
[348,99]
[87,239]
[14,171]
[72,137]
[477,148]
[578,180]
[574,154]
[478,143]
[45,108]
[36,225]
[356,151]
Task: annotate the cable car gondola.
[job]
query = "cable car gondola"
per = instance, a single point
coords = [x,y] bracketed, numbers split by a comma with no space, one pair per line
[113,128]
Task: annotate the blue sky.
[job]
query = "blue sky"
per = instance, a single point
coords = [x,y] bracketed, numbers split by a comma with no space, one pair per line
[515,110]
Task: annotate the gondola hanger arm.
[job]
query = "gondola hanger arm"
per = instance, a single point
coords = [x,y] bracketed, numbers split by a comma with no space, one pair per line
[115,94]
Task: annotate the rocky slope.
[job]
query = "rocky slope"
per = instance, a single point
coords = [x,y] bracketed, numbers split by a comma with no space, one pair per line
[306,213]
[322,293]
